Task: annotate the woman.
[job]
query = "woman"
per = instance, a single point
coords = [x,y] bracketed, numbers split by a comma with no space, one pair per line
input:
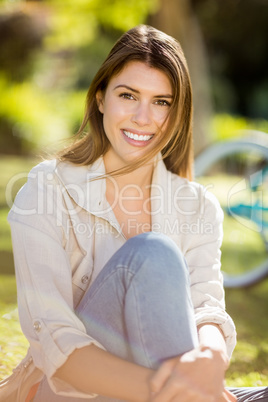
[117,253]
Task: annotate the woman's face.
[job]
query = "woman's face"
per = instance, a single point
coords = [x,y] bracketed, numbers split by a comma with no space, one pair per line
[135,105]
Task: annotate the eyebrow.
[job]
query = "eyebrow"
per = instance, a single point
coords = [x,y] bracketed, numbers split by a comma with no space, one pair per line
[137,92]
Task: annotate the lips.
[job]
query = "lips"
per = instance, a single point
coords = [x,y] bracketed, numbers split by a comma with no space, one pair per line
[137,137]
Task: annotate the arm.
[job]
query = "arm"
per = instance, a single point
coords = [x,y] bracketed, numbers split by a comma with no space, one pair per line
[106,374]
[211,337]
[44,277]
[203,256]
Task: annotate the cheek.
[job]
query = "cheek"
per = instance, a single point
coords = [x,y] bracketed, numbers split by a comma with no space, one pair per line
[161,117]
[112,117]
[114,111]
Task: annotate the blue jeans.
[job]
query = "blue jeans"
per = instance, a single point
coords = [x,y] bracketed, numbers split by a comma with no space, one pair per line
[139,307]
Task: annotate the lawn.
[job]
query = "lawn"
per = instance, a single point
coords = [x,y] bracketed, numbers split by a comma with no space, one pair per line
[248,307]
[13,342]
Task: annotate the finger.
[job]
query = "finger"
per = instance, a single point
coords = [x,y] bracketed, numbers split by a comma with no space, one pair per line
[231,397]
[193,397]
[227,396]
[160,377]
[223,398]
[177,391]
[171,390]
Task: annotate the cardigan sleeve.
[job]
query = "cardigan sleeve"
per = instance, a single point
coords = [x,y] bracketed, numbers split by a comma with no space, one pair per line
[203,257]
[44,278]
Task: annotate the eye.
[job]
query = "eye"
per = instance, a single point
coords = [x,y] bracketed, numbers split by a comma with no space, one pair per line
[163,102]
[126,95]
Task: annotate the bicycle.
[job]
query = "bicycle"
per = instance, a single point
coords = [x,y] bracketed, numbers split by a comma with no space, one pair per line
[237,172]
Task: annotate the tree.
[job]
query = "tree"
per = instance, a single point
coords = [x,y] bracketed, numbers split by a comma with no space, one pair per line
[20,38]
[177,18]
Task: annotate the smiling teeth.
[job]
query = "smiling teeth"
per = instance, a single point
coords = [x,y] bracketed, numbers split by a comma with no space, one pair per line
[137,137]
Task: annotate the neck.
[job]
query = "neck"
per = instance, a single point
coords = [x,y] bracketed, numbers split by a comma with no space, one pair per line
[140,177]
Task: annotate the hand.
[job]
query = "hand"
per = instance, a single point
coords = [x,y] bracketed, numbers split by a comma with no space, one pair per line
[197,376]
[228,396]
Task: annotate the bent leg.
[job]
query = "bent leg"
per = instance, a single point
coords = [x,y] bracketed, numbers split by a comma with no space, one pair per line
[139,307]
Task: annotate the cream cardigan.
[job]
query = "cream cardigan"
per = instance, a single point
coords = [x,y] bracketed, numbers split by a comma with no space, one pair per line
[64,231]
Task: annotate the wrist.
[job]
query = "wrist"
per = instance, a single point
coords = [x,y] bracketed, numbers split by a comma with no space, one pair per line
[217,353]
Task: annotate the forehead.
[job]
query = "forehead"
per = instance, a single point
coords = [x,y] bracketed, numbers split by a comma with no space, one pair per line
[142,76]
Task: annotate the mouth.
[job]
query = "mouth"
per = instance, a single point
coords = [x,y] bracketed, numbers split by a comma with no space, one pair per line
[137,137]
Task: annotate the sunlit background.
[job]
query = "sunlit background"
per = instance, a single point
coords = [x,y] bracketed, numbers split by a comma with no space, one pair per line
[49,53]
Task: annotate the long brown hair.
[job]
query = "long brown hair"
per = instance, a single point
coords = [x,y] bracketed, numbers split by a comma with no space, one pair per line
[158,50]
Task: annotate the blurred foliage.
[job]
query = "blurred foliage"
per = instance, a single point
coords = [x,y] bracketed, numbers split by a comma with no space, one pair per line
[236,37]
[76,23]
[19,39]
[225,126]
[31,118]
[51,51]
[13,174]
[13,342]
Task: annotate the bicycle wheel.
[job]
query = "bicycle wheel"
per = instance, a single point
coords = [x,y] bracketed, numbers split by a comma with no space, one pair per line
[236,172]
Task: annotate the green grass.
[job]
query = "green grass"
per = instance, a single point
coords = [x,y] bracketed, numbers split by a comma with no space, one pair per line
[13,174]
[13,343]
[248,307]
[249,310]
[243,247]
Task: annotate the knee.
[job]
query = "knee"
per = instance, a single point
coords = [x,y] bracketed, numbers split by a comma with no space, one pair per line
[157,253]
[158,247]
[152,240]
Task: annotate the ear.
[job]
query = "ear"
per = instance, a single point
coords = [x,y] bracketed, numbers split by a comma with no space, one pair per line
[100,100]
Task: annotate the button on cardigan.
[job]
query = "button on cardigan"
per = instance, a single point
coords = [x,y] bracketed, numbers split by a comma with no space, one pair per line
[63,233]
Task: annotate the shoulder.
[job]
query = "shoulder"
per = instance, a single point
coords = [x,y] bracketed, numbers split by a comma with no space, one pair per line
[38,191]
[48,166]
[195,197]
[54,171]
[53,181]
[30,197]
[37,177]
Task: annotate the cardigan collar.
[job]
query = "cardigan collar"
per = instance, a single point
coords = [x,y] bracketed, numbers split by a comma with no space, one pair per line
[83,186]
[88,192]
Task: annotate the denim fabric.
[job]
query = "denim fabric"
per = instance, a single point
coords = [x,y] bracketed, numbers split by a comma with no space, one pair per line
[146,313]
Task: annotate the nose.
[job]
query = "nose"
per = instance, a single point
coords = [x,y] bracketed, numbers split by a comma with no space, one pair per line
[142,115]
